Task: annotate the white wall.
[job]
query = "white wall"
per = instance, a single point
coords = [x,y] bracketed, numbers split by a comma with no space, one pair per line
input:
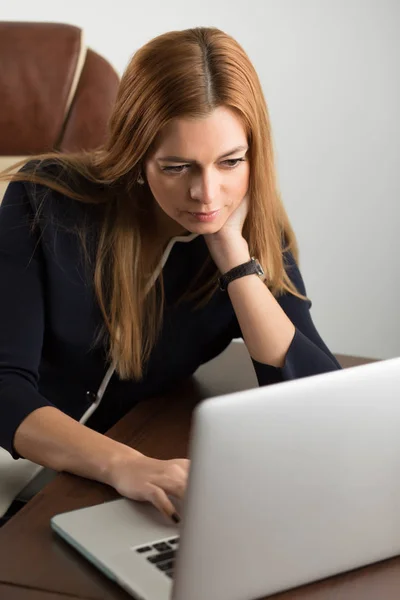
[331,76]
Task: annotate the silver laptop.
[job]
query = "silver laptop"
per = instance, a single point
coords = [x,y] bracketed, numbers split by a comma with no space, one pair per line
[288,484]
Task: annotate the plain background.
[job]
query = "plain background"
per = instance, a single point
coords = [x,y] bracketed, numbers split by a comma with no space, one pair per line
[330,71]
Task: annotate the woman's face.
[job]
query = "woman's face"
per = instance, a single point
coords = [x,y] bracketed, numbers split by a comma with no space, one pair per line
[198,173]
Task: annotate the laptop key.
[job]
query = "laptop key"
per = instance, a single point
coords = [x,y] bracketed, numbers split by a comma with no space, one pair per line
[166,566]
[162,556]
[173,541]
[161,547]
[144,549]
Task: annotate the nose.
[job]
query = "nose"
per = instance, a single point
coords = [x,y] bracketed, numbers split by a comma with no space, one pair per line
[204,188]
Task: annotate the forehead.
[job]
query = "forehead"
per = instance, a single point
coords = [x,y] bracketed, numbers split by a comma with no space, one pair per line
[216,133]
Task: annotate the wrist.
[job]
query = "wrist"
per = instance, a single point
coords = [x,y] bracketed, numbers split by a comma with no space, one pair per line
[233,256]
[120,455]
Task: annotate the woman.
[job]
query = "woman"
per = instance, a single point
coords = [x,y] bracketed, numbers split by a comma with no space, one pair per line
[114,262]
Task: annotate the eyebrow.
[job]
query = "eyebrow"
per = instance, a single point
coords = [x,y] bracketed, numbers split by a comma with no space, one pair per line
[180,159]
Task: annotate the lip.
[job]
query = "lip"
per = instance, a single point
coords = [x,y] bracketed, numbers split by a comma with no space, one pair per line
[205,217]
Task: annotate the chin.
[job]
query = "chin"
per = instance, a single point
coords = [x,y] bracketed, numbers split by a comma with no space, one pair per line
[205,228]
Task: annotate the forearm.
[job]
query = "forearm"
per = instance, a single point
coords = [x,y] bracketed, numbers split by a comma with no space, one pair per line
[267,330]
[55,440]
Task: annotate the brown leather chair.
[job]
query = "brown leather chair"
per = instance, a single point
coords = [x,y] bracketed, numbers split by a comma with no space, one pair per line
[55,93]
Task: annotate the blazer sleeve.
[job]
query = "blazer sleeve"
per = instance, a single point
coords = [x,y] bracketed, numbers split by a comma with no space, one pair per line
[22,319]
[308,353]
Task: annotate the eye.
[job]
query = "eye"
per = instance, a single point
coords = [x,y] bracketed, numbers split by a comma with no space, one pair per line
[231,163]
[177,169]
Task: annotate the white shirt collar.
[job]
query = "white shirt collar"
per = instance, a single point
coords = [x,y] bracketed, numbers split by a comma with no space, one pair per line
[166,253]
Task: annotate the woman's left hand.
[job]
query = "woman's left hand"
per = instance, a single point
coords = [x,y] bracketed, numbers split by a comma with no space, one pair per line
[227,246]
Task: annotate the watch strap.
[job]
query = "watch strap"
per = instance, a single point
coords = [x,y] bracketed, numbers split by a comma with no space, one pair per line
[252,267]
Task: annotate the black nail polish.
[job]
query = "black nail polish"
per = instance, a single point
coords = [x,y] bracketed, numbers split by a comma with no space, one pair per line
[176,518]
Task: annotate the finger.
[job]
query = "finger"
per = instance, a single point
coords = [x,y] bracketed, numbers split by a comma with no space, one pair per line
[174,481]
[160,500]
[184,463]
[173,487]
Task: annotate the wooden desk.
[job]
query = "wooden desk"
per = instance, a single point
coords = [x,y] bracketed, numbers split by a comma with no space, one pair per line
[33,558]
[14,592]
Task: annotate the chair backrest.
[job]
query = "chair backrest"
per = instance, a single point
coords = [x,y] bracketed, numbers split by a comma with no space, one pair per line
[55,93]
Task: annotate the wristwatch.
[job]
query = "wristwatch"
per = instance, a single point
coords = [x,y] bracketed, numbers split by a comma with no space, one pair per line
[252,267]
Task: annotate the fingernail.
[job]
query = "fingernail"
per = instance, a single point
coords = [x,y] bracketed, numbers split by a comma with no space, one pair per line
[176,518]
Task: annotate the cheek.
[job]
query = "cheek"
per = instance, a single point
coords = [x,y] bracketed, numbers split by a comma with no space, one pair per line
[238,189]
[163,193]
[233,206]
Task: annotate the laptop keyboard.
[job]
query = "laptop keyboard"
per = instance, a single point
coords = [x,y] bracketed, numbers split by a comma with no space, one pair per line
[161,554]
